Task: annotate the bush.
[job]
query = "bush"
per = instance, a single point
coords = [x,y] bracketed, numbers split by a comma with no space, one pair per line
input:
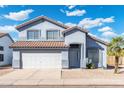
[93,66]
[90,66]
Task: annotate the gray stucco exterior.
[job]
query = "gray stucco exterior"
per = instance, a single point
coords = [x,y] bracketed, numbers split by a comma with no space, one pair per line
[42,27]
[65,60]
[102,51]
[16,59]
[17,56]
[5,41]
[75,36]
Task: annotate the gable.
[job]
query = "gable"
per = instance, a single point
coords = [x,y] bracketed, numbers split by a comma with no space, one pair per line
[5,35]
[42,27]
[2,34]
[93,44]
[75,37]
[73,32]
[38,20]
[45,25]
[97,40]
[74,29]
[6,40]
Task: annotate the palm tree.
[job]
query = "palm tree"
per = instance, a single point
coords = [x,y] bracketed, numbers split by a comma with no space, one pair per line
[115,48]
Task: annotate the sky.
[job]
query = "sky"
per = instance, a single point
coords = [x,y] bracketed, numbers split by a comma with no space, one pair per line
[102,21]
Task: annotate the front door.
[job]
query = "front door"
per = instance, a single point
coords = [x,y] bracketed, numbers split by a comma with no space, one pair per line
[74,57]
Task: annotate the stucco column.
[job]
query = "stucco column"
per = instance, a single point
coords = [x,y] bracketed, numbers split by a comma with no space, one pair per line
[16,59]
[65,59]
[83,56]
[105,58]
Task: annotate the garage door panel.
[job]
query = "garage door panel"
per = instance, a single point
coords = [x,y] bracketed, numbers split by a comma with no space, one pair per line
[41,60]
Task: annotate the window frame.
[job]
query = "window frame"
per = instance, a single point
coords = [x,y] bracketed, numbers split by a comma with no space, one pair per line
[2,48]
[53,35]
[33,31]
[1,57]
[91,50]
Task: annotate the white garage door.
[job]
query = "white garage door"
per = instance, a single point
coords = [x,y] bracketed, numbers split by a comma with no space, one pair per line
[41,60]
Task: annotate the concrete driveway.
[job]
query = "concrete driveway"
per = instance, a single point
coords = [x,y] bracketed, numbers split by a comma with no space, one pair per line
[33,74]
[29,76]
[66,77]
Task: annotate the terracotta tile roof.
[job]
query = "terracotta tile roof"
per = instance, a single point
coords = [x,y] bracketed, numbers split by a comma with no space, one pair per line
[2,34]
[39,44]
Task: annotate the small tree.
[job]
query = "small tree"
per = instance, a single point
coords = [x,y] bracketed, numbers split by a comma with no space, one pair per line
[115,48]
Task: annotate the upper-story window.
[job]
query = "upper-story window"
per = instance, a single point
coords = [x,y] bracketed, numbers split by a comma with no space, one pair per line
[33,34]
[53,34]
[1,48]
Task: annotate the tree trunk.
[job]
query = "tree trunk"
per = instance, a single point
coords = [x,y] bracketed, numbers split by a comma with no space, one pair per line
[116,64]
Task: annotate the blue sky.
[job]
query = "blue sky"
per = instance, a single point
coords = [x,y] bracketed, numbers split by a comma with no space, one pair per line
[103,22]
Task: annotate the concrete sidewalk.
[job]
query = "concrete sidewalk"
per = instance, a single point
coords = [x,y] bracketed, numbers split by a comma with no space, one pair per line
[62,82]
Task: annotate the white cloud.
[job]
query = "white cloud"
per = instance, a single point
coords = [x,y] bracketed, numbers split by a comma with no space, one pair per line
[90,23]
[75,13]
[19,16]
[101,38]
[11,30]
[122,34]
[104,29]
[92,35]
[71,6]
[8,28]
[2,6]
[15,39]
[109,34]
[109,20]
[70,24]
[60,22]
[61,10]
[105,39]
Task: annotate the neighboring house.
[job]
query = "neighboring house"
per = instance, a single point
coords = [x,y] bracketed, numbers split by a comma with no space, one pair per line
[5,51]
[45,43]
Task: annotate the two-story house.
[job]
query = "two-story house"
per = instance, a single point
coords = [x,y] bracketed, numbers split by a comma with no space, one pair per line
[45,43]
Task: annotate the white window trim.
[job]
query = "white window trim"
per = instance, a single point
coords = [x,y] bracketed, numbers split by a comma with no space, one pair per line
[33,30]
[52,30]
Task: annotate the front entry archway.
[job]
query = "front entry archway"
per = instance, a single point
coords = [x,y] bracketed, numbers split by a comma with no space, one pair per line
[74,56]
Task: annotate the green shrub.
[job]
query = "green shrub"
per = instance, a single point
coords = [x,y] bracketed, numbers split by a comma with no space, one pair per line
[90,66]
[93,66]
